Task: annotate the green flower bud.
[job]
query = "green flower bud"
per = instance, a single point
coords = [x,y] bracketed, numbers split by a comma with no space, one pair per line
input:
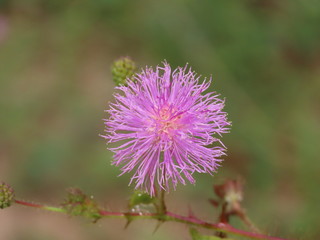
[122,69]
[6,195]
[79,204]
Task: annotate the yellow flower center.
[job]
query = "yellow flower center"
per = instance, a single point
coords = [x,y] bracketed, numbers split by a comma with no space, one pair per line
[165,122]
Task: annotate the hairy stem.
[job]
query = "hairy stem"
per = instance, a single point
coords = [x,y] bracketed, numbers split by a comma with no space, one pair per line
[40,206]
[167,216]
[162,204]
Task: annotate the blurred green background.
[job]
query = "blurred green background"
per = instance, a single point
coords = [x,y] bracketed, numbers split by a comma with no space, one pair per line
[55,83]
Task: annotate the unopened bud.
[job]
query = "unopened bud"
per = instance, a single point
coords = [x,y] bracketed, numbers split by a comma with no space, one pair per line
[6,195]
[122,69]
[79,204]
[231,193]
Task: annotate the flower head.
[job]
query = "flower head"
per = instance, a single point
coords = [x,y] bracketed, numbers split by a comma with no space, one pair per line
[122,69]
[167,127]
[6,195]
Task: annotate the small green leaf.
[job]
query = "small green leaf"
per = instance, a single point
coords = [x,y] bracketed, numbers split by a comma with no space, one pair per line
[140,198]
[140,202]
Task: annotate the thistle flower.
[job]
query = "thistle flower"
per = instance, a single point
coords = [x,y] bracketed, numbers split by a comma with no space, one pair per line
[167,127]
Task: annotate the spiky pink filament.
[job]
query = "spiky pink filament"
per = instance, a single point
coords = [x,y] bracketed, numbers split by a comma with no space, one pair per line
[169,127]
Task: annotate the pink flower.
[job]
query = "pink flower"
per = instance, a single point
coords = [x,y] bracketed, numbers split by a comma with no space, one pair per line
[167,128]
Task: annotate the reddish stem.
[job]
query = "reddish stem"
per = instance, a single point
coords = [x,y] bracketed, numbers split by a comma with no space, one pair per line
[168,216]
[28,204]
[194,221]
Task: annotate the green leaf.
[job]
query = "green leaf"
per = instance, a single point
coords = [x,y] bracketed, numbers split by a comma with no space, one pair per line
[141,202]
[139,198]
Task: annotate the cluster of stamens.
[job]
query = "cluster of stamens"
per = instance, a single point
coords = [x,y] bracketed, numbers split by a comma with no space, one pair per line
[166,122]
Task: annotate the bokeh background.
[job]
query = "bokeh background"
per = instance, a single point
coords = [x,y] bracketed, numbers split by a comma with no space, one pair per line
[55,83]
